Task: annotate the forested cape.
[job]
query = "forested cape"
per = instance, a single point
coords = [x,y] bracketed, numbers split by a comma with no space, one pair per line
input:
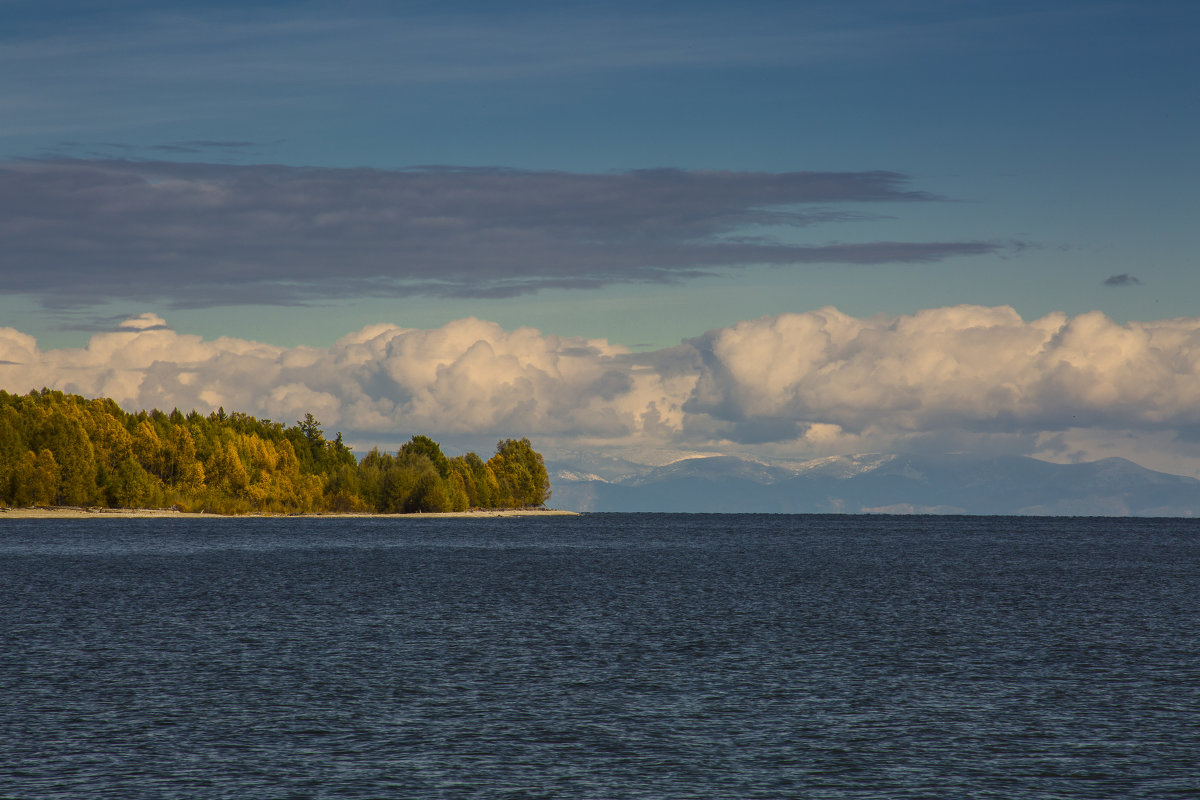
[63,449]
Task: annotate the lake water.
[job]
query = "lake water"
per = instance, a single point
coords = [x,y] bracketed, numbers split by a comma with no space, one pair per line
[602,656]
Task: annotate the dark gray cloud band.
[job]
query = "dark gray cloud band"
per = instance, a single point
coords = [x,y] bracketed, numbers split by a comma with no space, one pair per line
[76,232]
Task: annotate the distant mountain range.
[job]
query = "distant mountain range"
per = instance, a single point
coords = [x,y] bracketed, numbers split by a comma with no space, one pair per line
[883,484]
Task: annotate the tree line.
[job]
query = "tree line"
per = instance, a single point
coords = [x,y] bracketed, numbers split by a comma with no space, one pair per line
[64,449]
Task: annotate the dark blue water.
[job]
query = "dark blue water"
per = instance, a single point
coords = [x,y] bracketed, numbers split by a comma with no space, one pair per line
[604,656]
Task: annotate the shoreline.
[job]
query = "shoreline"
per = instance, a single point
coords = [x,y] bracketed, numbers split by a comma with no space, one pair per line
[76,512]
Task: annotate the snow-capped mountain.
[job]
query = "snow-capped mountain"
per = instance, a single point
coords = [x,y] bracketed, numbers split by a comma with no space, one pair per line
[884,483]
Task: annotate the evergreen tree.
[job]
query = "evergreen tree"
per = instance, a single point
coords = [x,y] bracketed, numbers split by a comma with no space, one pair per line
[423,445]
[57,448]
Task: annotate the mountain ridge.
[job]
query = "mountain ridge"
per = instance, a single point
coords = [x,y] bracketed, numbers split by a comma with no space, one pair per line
[887,483]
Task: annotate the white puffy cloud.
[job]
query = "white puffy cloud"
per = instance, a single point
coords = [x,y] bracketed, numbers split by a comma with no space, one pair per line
[466,377]
[793,385]
[952,378]
[16,347]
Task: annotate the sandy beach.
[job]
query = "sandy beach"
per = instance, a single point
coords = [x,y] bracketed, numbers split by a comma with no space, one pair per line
[68,512]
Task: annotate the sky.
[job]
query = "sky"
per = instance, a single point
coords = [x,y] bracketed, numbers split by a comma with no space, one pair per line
[781,230]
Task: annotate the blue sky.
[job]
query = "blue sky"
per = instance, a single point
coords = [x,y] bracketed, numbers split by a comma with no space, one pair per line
[289,173]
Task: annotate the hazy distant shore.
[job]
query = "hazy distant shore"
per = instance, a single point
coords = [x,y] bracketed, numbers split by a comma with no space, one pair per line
[72,512]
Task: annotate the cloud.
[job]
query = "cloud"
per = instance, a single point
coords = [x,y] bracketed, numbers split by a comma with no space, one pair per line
[78,232]
[144,322]
[1124,279]
[467,377]
[961,368]
[787,386]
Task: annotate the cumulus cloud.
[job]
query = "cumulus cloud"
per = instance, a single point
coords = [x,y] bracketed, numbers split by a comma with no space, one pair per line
[965,368]
[78,232]
[467,377]
[792,385]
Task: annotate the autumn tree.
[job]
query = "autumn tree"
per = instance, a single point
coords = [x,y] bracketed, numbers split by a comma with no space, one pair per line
[521,474]
[66,449]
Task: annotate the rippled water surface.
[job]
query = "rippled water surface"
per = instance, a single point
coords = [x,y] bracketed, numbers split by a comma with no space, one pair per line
[603,656]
